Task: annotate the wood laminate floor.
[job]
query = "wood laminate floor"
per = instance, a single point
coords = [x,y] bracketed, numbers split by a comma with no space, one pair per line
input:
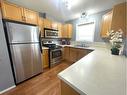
[46,83]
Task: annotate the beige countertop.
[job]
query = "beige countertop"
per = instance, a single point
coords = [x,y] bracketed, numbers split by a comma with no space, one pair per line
[91,48]
[98,73]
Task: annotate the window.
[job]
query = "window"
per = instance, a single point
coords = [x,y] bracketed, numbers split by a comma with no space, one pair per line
[85,32]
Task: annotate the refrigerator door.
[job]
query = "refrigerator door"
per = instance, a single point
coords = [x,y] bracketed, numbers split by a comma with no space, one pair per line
[26,61]
[20,33]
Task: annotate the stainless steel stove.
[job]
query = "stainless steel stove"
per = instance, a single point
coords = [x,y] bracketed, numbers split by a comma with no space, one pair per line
[55,54]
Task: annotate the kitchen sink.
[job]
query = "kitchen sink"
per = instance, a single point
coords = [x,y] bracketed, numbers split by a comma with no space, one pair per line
[81,45]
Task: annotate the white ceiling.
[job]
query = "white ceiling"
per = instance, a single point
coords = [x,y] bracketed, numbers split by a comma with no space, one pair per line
[57,9]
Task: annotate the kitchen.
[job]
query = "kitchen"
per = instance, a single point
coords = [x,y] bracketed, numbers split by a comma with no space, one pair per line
[47,50]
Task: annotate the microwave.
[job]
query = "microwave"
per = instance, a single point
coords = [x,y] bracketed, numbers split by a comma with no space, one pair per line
[50,33]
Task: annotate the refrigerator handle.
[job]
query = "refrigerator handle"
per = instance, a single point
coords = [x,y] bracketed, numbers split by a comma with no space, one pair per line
[40,42]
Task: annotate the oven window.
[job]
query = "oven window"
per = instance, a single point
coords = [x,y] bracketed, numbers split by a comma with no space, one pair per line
[56,54]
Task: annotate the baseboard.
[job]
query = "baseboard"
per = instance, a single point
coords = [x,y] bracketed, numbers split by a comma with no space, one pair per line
[7,89]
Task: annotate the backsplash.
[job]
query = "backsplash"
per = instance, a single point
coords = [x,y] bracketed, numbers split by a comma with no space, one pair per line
[61,41]
[97,44]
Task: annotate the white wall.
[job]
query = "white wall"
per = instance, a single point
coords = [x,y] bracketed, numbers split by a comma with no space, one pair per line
[6,77]
[98,19]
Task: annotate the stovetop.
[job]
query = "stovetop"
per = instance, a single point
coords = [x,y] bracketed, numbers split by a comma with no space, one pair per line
[52,46]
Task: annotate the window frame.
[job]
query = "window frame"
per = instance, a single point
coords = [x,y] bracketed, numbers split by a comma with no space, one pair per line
[86,23]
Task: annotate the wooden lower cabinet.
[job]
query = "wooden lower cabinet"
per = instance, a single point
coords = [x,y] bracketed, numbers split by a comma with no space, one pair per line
[67,90]
[72,54]
[45,58]
[66,53]
[81,53]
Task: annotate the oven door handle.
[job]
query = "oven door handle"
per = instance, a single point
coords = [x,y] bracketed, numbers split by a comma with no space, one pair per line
[56,50]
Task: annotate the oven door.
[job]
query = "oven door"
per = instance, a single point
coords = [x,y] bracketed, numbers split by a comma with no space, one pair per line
[55,56]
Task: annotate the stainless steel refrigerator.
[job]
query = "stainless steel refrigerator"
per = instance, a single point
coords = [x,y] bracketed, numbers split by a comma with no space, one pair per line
[25,50]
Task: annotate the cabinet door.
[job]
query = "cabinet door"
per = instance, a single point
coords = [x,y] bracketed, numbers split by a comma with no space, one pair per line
[69,30]
[73,55]
[60,30]
[11,11]
[55,25]
[119,17]
[67,90]
[30,16]
[64,33]
[66,53]
[106,24]
[47,23]
[81,53]
[45,59]
[41,26]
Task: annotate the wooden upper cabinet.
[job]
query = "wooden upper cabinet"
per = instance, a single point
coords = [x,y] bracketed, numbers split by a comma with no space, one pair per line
[67,31]
[54,25]
[119,17]
[106,24]
[60,29]
[114,20]
[11,11]
[47,23]
[14,12]
[30,16]
[41,26]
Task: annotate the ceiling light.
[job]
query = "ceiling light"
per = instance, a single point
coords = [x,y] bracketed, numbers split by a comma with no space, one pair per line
[83,15]
[67,4]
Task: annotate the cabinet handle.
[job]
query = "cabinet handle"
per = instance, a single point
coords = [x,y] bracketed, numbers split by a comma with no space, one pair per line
[23,18]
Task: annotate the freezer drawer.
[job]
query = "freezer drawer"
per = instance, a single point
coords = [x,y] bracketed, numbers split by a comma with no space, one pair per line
[26,61]
[20,33]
